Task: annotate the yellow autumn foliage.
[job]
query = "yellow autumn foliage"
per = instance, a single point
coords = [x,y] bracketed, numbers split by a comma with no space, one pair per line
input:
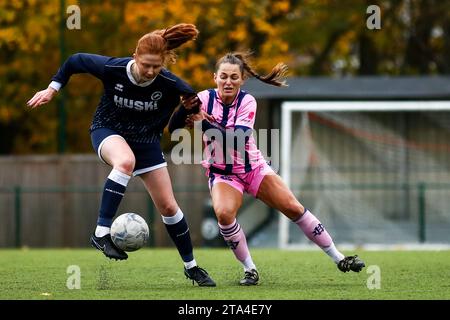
[308,35]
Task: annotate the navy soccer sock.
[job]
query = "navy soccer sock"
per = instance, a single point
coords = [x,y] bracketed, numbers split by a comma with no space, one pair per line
[179,232]
[113,193]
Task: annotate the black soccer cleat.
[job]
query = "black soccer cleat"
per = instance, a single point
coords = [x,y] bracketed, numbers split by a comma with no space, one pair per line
[251,278]
[351,263]
[200,276]
[107,246]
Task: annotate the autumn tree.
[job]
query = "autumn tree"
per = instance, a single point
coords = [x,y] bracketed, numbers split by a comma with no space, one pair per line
[314,37]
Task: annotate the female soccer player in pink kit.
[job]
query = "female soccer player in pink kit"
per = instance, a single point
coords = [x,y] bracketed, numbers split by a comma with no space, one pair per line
[234,164]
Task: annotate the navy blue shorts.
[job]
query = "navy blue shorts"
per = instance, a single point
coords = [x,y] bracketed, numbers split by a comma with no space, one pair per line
[148,156]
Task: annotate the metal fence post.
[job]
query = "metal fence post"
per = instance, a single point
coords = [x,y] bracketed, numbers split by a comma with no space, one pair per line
[422,222]
[151,225]
[18,215]
[61,111]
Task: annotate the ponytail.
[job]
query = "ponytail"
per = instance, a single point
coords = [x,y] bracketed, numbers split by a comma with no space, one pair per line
[164,41]
[275,77]
[179,34]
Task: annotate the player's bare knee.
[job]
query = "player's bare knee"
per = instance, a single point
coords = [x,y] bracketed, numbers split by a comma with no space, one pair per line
[293,209]
[126,165]
[168,209]
[224,215]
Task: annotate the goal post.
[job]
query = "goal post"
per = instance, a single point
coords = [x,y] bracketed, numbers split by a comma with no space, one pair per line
[372,171]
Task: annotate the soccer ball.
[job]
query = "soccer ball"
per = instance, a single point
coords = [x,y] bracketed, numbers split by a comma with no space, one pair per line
[129,232]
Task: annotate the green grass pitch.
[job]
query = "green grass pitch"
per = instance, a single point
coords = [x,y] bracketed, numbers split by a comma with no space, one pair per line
[157,274]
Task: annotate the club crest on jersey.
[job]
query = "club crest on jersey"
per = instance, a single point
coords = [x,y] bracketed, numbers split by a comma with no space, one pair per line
[156,95]
[119,87]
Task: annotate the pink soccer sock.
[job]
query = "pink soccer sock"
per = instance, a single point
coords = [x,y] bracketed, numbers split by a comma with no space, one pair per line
[314,230]
[235,239]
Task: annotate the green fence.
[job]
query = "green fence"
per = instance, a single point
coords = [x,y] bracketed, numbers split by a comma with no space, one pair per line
[14,212]
[419,190]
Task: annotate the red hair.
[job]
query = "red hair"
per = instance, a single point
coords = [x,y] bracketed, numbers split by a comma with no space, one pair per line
[164,41]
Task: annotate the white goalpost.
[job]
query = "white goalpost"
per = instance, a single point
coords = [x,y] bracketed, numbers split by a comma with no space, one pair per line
[374,172]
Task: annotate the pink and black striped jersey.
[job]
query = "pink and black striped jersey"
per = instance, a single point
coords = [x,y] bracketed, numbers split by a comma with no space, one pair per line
[240,114]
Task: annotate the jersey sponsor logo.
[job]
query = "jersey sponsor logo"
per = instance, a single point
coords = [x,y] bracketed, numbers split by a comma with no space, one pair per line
[119,87]
[137,105]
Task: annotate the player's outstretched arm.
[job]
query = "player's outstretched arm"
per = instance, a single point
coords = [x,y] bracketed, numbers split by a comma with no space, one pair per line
[42,97]
[190,104]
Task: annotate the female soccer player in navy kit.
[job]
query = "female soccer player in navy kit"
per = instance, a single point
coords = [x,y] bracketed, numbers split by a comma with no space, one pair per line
[139,98]
[228,112]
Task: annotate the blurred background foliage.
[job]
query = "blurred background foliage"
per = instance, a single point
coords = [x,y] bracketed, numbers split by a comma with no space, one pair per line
[314,37]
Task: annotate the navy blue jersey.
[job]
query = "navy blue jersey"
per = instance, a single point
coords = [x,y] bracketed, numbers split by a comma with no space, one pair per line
[138,112]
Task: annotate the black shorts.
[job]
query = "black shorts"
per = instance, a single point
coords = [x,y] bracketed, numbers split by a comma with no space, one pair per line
[148,156]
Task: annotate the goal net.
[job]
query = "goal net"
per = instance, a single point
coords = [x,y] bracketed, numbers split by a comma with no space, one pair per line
[373,172]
